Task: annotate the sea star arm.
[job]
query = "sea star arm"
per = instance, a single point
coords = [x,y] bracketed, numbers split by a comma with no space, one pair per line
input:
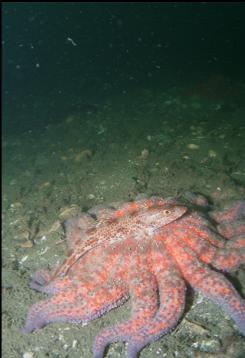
[68,306]
[143,293]
[172,303]
[148,322]
[235,211]
[230,230]
[212,284]
[226,258]
[46,282]
[231,222]
[217,288]
[42,282]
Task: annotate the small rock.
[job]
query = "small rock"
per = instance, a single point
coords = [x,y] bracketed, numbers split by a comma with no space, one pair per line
[84,154]
[26,245]
[210,345]
[212,153]
[28,355]
[192,146]
[67,212]
[16,205]
[144,154]
[46,184]
[23,234]
[90,196]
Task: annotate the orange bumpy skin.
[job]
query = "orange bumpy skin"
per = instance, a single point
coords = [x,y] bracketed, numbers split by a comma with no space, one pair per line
[146,250]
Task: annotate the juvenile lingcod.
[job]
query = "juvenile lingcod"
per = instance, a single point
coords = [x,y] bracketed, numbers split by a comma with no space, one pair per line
[147,251]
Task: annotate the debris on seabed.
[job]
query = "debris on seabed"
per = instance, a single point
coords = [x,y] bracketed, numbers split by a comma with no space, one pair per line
[144,154]
[212,153]
[192,146]
[23,259]
[84,154]
[28,355]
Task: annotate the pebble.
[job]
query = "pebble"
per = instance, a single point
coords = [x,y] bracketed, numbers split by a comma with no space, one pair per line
[67,212]
[210,346]
[192,146]
[16,205]
[212,153]
[84,154]
[23,234]
[23,259]
[144,154]
[26,245]
[74,343]
[90,196]
[46,184]
[28,355]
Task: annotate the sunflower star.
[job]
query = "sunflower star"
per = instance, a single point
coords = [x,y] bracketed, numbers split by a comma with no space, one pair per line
[146,250]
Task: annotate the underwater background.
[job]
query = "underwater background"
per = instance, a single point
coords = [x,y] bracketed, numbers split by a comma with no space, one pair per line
[102,102]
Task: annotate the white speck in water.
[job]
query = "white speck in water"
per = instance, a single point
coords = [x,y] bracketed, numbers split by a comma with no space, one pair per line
[71,41]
